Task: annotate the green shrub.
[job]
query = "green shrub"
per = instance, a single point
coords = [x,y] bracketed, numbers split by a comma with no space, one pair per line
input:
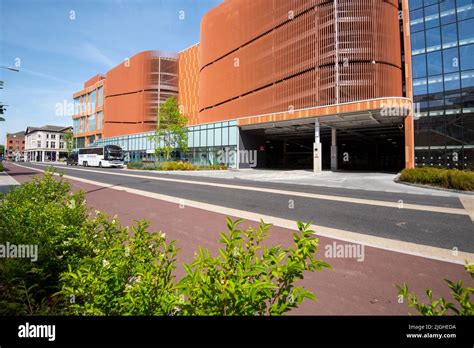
[135,165]
[248,278]
[42,213]
[178,165]
[1,167]
[446,178]
[440,306]
[125,275]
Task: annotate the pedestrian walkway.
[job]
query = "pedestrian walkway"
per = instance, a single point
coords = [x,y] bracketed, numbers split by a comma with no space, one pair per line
[6,182]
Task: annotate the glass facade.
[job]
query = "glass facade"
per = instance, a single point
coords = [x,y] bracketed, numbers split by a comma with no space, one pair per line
[205,142]
[442,47]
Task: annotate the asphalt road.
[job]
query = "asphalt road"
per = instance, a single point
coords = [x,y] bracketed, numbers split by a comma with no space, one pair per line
[443,230]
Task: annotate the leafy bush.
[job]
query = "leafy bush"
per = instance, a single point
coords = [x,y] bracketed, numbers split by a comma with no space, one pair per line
[248,278]
[135,165]
[447,178]
[125,275]
[213,167]
[440,306]
[178,165]
[1,167]
[41,213]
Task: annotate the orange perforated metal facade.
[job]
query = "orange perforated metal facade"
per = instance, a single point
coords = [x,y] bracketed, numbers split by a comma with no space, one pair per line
[188,97]
[268,56]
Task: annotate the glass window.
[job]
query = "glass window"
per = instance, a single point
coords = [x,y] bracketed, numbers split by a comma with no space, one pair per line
[413,4]
[433,40]
[451,60]
[225,136]
[418,43]
[190,139]
[218,137]
[202,135]
[83,109]
[420,87]
[435,64]
[417,20]
[467,79]
[92,97]
[451,82]
[91,122]
[450,35]
[233,135]
[466,32]
[467,57]
[100,93]
[419,66]
[431,16]
[435,84]
[77,106]
[447,11]
[99,120]
[210,137]
[465,9]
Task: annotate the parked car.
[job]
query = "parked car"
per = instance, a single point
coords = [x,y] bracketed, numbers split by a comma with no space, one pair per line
[72,159]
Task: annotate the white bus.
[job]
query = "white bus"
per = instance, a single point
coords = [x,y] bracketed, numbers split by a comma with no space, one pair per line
[103,156]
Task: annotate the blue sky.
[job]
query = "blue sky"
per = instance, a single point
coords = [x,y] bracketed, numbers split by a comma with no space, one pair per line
[58,50]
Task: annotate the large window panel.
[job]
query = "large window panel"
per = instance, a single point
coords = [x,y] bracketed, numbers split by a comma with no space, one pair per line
[451,60]
[447,11]
[418,43]
[414,4]
[465,9]
[452,82]
[435,63]
[417,20]
[449,34]
[435,84]
[420,87]
[432,16]
[419,66]
[467,57]
[433,40]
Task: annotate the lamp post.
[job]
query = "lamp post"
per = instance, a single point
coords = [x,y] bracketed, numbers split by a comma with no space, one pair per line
[1,87]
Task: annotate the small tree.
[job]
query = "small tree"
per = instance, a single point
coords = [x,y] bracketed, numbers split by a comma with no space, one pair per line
[68,139]
[170,132]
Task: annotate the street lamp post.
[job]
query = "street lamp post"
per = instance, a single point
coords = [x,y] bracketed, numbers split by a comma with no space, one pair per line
[1,87]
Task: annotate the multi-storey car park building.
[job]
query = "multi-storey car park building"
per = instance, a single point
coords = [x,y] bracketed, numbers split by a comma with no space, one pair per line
[305,84]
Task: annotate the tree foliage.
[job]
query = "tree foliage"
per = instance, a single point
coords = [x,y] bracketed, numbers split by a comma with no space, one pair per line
[171,132]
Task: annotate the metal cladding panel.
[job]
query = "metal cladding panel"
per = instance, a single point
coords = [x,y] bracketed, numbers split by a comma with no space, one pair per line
[267,56]
[125,108]
[129,76]
[189,83]
[119,129]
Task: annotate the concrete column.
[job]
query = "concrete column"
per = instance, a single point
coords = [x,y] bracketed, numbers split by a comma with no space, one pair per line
[57,156]
[409,141]
[333,149]
[317,152]
[42,156]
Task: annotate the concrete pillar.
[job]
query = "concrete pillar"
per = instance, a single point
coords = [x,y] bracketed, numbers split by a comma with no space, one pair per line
[42,156]
[333,149]
[409,141]
[317,152]
[57,156]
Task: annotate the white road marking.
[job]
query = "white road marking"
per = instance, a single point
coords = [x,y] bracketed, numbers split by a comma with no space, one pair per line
[425,251]
[468,204]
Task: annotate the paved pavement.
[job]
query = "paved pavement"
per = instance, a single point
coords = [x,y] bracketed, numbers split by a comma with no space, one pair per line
[345,180]
[6,182]
[352,287]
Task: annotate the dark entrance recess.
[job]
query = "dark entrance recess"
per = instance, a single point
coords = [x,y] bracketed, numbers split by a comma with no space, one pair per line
[359,149]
